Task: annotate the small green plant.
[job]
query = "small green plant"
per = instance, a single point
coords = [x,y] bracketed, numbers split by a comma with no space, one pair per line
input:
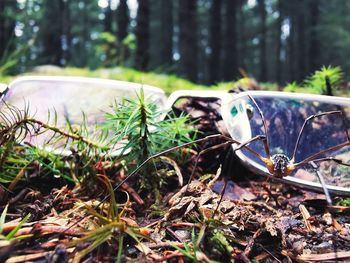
[17,158]
[109,227]
[292,87]
[323,80]
[192,250]
[344,202]
[219,241]
[140,130]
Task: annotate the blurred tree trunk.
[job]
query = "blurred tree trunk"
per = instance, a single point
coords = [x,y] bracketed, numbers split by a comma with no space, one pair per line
[279,42]
[215,41]
[242,36]
[123,20]
[7,25]
[142,35]
[51,32]
[230,63]
[167,30]
[292,58]
[262,41]
[188,46]
[314,51]
[67,39]
[302,73]
[108,20]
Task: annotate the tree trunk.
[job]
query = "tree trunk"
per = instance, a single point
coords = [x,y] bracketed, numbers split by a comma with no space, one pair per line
[188,46]
[142,35]
[301,42]
[52,32]
[279,42]
[215,41]
[292,52]
[108,20]
[314,45]
[167,29]
[241,36]
[67,39]
[7,26]
[123,20]
[230,64]
[262,41]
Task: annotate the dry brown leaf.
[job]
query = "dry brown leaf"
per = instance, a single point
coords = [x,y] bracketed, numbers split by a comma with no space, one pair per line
[176,168]
[306,215]
[326,256]
[270,227]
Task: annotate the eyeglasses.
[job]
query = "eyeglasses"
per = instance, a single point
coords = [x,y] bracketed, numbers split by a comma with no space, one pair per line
[272,122]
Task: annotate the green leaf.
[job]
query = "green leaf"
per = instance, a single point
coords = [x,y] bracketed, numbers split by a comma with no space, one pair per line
[120,248]
[14,231]
[2,218]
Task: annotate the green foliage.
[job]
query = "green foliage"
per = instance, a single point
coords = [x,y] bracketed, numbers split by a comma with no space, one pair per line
[108,226]
[106,47]
[292,87]
[344,202]
[220,242]
[138,129]
[50,164]
[168,83]
[11,235]
[192,250]
[10,59]
[142,124]
[15,159]
[110,51]
[130,41]
[317,81]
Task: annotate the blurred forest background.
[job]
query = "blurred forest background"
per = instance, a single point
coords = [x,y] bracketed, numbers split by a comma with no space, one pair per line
[204,41]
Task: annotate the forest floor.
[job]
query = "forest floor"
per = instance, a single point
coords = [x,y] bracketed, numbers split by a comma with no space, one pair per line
[254,220]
